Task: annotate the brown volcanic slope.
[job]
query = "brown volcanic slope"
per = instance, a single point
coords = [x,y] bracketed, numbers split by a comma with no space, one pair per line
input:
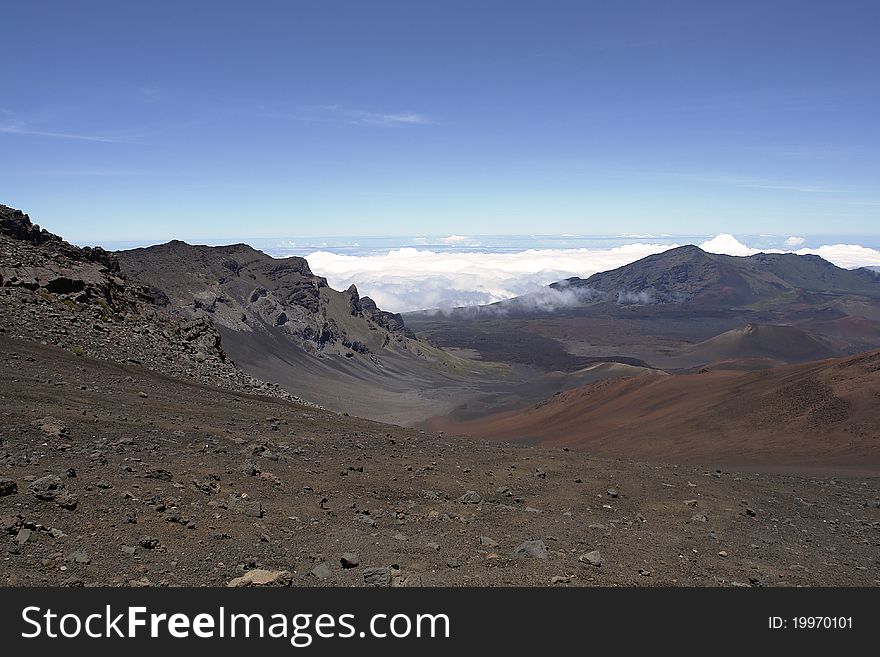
[161,465]
[783,344]
[817,417]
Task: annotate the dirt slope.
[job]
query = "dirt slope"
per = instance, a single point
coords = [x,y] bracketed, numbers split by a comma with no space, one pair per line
[151,473]
[785,344]
[820,417]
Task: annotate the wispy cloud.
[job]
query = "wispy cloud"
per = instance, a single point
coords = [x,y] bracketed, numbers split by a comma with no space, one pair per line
[756,182]
[374,118]
[84,173]
[24,129]
[791,187]
[342,114]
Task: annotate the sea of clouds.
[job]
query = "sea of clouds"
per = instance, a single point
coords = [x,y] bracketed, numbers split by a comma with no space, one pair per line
[414,278]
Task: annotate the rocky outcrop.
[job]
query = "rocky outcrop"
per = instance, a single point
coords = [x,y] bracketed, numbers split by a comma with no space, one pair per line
[391,322]
[247,291]
[77,298]
[17,225]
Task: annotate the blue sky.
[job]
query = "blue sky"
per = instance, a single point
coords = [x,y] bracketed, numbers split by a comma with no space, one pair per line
[212,120]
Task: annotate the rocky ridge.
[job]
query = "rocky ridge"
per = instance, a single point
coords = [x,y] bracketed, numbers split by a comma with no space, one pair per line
[245,291]
[56,293]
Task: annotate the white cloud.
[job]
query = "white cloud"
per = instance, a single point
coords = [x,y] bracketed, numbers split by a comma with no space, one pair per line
[416,278]
[727,244]
[458,240]
[795,241]
[848,256]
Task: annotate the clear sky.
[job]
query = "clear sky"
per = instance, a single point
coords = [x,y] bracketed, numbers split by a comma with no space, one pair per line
[204,120]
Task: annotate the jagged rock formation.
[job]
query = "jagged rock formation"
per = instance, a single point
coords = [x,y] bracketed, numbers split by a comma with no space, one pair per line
[77,298]
[245,290]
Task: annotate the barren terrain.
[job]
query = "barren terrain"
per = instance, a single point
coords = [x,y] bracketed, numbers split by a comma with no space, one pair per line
[152,474]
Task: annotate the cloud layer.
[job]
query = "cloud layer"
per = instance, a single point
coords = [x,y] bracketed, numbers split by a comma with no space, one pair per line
[413,279]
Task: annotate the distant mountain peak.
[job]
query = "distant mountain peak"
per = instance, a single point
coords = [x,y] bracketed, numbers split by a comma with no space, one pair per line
[687,274]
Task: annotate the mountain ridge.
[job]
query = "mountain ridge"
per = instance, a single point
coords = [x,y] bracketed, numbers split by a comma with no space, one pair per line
[78,298]
[657,307]
[687,274]
[280,322]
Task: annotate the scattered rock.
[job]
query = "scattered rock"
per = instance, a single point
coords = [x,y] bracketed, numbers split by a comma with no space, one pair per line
[534,549]
[148,542]
[52,427]
[322,571]
[487,542]
[377,576]
[23,535]
[593,558]
[399,579]
[471,497]
[260,577]
[159,473]
[8,487]
[349,560]
[46,488]
[52,489]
